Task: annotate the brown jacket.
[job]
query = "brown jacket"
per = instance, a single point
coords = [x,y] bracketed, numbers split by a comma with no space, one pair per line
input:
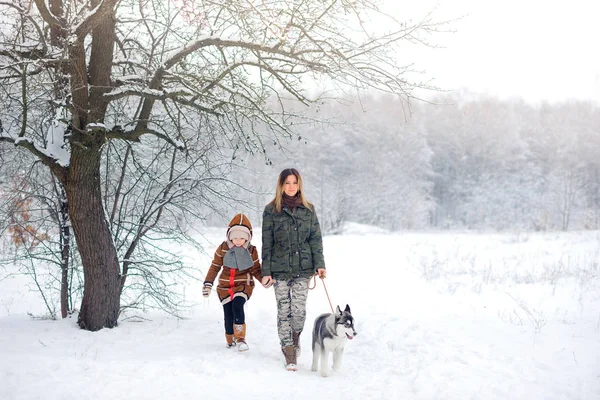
[233,282]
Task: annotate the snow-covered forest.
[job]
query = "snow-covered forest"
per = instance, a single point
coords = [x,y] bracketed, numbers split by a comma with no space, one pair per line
[120,121]
[462,161]
[128,124]
[462,229]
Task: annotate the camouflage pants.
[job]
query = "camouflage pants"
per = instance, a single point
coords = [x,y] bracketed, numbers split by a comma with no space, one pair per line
[291,307]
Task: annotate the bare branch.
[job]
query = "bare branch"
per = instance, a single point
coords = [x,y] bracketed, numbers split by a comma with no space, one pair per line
[102,10]
[47,15]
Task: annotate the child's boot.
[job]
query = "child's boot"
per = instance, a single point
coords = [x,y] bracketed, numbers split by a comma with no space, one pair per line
[230,341]
[239,333]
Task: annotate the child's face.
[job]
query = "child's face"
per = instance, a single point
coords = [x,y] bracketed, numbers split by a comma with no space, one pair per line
[238,241]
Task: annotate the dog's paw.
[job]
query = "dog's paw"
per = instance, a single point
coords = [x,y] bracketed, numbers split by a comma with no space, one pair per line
[324,374]
[313,369]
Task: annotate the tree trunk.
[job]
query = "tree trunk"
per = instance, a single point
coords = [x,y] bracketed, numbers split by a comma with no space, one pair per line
[65,250]
[100,303]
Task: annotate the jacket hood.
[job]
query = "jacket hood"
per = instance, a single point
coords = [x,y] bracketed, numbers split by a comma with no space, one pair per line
[240,219]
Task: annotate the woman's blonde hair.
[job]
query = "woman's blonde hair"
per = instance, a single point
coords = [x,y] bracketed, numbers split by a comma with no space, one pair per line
[278,200]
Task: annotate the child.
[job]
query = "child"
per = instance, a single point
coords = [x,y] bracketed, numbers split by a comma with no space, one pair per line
[240,263]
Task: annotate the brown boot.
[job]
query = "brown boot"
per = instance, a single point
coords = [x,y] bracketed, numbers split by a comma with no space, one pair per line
[296,342]
[230,341]
[290,358]
[239,334]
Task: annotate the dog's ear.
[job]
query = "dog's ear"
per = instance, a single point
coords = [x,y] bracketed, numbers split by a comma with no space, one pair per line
[347,308]
[338,311]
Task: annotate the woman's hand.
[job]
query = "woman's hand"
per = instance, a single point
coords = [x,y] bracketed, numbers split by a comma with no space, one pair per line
[267,281]
[322,272]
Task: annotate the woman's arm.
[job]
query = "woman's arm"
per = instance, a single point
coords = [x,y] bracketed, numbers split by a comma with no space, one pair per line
[315,241]
[267,242]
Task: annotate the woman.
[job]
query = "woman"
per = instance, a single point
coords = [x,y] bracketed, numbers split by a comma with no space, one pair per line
[292,251]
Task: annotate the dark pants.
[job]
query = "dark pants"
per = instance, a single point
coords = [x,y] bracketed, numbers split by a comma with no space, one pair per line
[234,314]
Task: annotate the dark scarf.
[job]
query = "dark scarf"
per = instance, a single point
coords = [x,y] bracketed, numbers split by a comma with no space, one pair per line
[291,202]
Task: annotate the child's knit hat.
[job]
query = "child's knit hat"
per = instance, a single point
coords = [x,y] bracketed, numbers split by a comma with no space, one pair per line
[239,232]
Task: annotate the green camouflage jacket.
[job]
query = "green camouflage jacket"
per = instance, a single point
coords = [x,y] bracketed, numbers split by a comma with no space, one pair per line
[291,243]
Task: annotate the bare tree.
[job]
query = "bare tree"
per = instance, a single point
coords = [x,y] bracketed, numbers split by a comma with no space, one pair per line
[108,70]
[36,221]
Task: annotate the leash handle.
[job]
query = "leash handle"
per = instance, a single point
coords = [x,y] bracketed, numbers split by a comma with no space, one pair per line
[314,277]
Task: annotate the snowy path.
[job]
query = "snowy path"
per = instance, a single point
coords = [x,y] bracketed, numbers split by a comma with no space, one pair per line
[417,339]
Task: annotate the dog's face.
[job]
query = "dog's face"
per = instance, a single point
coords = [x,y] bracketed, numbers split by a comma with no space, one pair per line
[344,322]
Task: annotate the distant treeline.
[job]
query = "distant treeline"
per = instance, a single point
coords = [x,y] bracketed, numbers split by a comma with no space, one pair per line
[463,161]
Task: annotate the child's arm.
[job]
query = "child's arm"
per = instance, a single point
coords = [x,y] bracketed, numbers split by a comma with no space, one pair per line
[213,271]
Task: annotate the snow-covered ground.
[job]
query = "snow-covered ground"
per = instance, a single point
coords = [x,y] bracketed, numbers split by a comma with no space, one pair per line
[441,315]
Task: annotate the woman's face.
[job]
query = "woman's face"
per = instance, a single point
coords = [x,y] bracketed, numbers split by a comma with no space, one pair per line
[290,186]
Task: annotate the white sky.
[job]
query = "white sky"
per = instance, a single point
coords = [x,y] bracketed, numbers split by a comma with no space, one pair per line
[535,49]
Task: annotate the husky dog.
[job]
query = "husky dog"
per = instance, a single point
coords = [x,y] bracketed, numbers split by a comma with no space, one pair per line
[329,336]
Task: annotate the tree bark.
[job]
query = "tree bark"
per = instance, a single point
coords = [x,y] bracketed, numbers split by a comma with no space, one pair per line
[65,250]
[100,304]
